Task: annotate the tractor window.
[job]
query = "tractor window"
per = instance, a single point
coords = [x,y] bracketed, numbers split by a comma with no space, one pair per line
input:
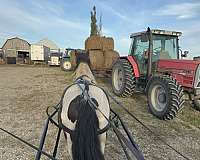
[139,50]
[164,47]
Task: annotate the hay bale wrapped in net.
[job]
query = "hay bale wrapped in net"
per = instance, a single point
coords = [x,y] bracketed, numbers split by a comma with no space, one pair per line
[107,43]
[96,59]
[93,42]
[110,57]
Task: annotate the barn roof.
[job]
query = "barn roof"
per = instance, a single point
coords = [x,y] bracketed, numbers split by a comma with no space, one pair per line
[12,39]
[48,43]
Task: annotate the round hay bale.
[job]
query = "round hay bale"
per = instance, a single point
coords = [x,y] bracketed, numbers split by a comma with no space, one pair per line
[110,57]
[93,42]
[107,43]
[96,59]
[196,58]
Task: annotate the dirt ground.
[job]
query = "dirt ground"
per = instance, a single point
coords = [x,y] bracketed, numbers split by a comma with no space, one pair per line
[26,92]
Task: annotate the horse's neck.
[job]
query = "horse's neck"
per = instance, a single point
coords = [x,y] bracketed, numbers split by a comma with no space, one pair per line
[83,69]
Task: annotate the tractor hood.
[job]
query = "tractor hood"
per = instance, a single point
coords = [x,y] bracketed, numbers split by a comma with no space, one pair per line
[186,72]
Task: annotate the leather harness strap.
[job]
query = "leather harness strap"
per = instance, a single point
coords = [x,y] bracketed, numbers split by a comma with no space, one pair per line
[132,146]
[61,125]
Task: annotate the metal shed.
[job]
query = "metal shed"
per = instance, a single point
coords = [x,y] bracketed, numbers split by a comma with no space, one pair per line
[16,50]
[50,44]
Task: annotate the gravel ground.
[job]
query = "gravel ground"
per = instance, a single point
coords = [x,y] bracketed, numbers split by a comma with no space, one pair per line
[26,92]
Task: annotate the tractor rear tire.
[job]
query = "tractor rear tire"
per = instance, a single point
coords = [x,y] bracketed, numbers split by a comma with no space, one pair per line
[66,65]
[165,97]
[123,80]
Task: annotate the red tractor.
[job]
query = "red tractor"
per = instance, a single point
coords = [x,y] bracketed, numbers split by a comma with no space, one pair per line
[156,66]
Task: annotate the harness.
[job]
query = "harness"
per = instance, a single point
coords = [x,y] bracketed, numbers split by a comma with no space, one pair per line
[80,81]
[125,141]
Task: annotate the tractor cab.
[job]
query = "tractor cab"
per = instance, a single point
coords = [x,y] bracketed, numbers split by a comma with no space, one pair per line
[149,47]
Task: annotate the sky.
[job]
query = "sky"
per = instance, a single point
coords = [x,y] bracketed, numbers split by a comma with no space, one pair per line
[67,22]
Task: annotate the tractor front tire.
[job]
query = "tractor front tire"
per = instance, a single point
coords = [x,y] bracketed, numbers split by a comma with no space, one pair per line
[165,97]
[123,80]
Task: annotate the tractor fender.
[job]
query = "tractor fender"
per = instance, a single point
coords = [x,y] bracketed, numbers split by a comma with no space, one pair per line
[134,65]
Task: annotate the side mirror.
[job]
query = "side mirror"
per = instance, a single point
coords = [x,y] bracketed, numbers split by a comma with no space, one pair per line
[184,54]
[144,37]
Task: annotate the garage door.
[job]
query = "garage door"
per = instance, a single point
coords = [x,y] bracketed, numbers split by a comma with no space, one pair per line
[11,60]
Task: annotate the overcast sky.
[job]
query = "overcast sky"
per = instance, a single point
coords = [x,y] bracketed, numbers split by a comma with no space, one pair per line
[67,22]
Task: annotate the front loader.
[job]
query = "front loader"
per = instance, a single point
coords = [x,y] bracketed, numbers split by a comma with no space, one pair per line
[156,66]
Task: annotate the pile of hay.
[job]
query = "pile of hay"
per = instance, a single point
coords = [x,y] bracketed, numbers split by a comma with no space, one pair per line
[101,52]
[110,56]
[99,43]
[96,59]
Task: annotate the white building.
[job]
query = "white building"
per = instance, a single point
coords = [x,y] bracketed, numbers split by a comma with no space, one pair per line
[50,44]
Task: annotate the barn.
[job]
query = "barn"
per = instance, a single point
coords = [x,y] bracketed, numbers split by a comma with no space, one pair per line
[16,51]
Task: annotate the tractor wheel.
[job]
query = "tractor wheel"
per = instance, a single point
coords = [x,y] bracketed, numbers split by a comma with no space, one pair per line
[66,66]
[123,80]
[165,97]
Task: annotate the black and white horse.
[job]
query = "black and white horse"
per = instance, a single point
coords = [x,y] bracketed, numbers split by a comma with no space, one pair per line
[86,125]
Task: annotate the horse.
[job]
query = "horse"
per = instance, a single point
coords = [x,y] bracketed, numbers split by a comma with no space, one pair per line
[86,122]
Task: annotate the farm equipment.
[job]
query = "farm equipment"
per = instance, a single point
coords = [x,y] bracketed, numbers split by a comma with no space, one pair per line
[54,59]
[65,61]
[39,53]
[155,66]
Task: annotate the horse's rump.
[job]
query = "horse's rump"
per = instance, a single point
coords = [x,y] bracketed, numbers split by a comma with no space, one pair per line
[94,92]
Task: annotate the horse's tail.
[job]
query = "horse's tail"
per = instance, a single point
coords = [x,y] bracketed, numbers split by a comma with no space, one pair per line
[85,141]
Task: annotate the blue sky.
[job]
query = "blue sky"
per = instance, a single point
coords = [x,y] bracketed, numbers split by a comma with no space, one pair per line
[67,22]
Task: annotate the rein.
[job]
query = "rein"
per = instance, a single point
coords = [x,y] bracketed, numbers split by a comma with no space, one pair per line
[129,143]
[29,144]
[133,146]
[84,94]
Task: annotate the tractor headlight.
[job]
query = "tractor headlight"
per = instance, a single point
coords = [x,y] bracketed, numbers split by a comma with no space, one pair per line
[197,77]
